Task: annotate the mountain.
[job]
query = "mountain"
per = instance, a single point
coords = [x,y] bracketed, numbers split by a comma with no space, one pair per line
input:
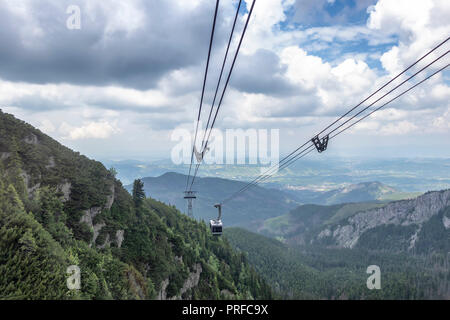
[294,226]
[317,272]
[360,192]
[316,173]
[245,210]
[60,209]
[417,224]
[420,225]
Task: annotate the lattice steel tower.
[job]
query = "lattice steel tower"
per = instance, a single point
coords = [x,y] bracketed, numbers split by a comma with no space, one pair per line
[190,196]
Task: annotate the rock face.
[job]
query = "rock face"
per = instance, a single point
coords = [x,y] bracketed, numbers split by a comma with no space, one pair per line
[4,155]
[192,280]
[90,214]
[119,237]
[88,218]
[162,294]
[27,180]
[190,283]
[65,189]
[446,222]
[31,139]
[404,213]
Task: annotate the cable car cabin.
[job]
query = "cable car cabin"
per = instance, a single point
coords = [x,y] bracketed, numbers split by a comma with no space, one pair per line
[216,227]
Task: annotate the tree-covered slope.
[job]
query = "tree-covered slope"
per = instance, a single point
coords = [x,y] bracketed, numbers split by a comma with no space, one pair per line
[315,272]
[59,208]
[419,225]
[303,222]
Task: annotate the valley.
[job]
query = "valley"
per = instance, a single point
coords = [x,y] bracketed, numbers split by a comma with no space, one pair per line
[287,243]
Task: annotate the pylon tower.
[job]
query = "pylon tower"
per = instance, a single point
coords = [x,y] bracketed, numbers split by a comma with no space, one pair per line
[190,196]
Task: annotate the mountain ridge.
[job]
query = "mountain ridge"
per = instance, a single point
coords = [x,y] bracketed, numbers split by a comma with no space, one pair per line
[343,225]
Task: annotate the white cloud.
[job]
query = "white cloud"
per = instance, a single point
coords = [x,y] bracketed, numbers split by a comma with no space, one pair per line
[419,24]
[326,78]
[91,130]
[47,126]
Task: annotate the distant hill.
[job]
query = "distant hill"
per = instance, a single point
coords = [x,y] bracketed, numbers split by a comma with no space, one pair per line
[360,192]
[312,174]
[59,208]
[246,210]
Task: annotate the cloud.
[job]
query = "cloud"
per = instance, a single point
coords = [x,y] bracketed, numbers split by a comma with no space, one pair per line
[47,126]
[92,130]
[326,12]
[262,72]
[131,44]
[134,71]
[419,24]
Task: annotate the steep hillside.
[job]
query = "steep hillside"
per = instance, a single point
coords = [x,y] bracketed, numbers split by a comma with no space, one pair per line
[418,225]
[58,208]
[297,225]
[315,272]
[256,205]
[399,225]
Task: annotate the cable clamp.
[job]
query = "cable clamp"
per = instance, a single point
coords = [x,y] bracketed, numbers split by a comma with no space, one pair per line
[321,145]
[200,155]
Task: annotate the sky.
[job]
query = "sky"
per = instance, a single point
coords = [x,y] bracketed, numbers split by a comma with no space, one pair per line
[118,87]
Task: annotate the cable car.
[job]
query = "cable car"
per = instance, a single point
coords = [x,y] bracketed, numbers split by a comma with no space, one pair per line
[216,225]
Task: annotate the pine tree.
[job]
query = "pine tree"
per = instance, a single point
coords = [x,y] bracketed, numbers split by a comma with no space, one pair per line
[138,193]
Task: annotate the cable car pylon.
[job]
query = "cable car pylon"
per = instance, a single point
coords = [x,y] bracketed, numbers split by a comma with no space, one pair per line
[190,196]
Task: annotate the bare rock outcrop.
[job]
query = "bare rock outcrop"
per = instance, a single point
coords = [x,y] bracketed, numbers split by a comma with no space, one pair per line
[5,155]
[31,139]
[446,222]
[119,237]
[90,214]
[162,294]
[191,282]
[27,180]
[65,189]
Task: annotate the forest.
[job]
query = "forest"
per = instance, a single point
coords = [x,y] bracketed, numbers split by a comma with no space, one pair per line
[317,272]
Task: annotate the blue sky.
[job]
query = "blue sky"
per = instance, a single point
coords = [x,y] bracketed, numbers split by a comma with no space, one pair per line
[118,87]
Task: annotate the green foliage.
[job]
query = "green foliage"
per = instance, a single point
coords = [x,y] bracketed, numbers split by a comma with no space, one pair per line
[46,189]
[313,272]
[138,193]
[434,237]
[387,238]
[31,262]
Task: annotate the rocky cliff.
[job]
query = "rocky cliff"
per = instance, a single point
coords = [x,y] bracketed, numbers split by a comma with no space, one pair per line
[413,213]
